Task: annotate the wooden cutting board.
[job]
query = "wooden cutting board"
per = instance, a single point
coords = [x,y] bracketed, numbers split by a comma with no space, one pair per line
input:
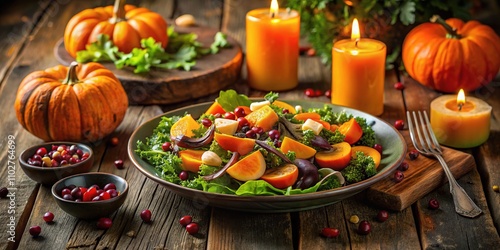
[211,73]
[423,176]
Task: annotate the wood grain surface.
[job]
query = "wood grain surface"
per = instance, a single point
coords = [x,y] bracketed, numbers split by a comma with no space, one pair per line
[422,177]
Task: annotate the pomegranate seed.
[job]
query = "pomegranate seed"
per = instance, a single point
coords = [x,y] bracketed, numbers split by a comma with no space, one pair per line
[382,215]
[274,134]
[183,175]
[66,191]
[277,143]
[48,217]
[109,186]
[146,216]
[433,204]
[250,134]
[119,164]
[398,176]
[206,122]
[330,232]
[114,141]
[399,124]
[239,112]
[413,154]
[303,49]
[309,92]
[41,151]
[54,147]
[399,86]
[364,227]
[378,147]
[112,193]
[285,111]
[104,223]
[311,52]
[242,122]
[185,220]
[76,193]
[97,198]
[258,130]
[218,115]
[3,192]
[230,116]
[35,230]
[318,92]
[166,146]
[192,228]
[403,166]
[328,93]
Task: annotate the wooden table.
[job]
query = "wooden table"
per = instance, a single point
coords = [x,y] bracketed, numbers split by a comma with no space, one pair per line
[29,32]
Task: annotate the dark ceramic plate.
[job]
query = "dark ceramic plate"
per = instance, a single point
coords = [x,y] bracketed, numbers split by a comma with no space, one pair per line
[390,139]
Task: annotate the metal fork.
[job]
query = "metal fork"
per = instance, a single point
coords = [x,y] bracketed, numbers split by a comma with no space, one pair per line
[425,142]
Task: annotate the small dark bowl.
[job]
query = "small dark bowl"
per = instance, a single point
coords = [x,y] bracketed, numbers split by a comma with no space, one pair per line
[91,209]
[49,175]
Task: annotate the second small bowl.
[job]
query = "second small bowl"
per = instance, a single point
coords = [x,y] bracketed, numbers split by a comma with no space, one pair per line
[49,175]
[90,209]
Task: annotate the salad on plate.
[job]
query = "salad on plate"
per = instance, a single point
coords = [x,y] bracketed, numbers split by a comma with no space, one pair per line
[259,148]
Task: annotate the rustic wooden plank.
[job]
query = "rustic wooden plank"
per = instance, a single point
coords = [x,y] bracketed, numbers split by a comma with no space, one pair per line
[423,176]
[445,229]
[238,230]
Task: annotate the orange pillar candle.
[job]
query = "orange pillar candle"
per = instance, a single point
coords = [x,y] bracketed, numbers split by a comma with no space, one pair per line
[460,123]
[272,48]
[358,71]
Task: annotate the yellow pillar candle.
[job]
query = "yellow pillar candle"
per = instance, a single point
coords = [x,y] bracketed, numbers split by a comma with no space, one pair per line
[460,123]
[358,73]
[272,48]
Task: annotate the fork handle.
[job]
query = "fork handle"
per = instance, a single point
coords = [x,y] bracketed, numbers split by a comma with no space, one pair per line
[463,203]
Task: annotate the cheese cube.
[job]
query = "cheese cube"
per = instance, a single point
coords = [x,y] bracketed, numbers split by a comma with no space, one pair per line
[315,126]
[257,105]
[226,126]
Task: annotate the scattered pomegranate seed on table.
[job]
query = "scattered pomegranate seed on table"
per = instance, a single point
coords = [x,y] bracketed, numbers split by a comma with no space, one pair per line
[35,230]
[382,215]
[413,154]
[48,217]
[119,164]
[364,227]
[309,92]
[433,204]
[398,176]
[403,166]
[330,232]
[318,92]
[328,93]
[146,215]
[192,228]
[104,223]
[399,124]
[185,220]
[311,52]
[114,141]
[399,86]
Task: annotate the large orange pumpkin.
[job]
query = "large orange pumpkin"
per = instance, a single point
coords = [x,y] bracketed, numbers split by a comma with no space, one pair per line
[77,103]
[126,25]
[452,55]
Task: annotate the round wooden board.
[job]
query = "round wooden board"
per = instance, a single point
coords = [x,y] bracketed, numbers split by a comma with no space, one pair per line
[210,74]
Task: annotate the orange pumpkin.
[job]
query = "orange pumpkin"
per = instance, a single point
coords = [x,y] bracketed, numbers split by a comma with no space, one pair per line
[77,103]
[451,55]
[125,25]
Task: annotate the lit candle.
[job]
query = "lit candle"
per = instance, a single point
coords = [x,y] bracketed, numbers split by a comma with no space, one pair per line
[272,48]
[358,71]
[459,122]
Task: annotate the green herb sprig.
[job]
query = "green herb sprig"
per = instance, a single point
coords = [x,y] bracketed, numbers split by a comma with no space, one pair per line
[181,52]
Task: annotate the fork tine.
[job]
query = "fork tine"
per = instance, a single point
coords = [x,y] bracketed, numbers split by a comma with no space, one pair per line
[437,147]
[420,131]
[412,130]
[425,131]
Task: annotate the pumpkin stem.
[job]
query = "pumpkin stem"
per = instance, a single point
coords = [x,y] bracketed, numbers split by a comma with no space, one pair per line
[71,77]
[451,31]
[118,11]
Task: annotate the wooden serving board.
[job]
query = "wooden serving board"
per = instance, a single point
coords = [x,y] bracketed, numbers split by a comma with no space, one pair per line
[210,74]
[423,176]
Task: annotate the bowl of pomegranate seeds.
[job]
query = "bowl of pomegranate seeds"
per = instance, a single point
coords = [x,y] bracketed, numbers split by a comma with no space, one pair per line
[90,195]
[49,162]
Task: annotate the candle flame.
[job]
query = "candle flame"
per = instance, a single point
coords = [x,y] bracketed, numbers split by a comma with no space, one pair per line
[355,34]
[460,99]
[274,8]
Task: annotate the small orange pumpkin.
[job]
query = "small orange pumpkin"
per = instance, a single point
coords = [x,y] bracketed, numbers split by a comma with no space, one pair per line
[451,55]
[125,25]
[75,103]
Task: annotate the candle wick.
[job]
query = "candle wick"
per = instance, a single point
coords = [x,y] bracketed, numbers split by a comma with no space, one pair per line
[272,14]
[356,42]
[460,106]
